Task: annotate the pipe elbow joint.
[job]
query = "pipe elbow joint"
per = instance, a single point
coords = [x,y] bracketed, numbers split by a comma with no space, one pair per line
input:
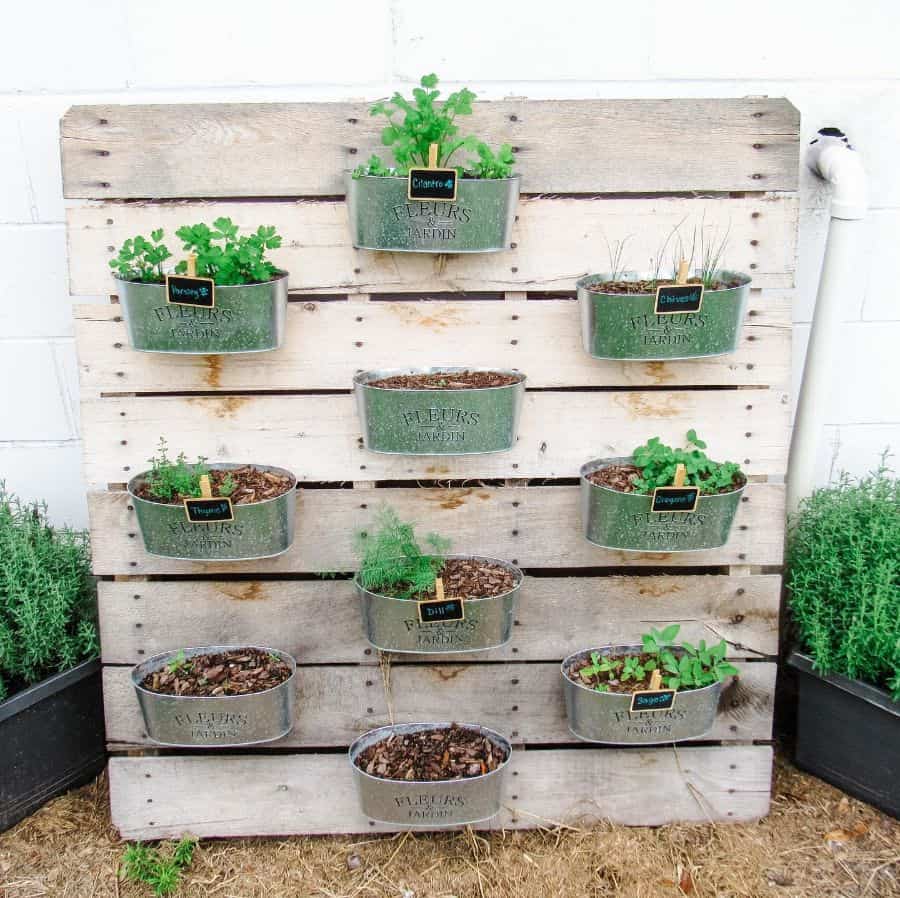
[832,158]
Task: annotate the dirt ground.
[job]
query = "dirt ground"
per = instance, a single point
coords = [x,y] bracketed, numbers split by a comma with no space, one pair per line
[816,843]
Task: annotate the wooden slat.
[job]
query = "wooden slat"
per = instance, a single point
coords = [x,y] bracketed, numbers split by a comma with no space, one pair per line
[557,240]
[301,149]
[319,439]
[542,337]
[165,797]
[525,701]
[535,527]
[556,616]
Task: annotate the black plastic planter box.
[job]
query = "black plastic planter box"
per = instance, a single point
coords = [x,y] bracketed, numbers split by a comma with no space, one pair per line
[848,733]
[51,739]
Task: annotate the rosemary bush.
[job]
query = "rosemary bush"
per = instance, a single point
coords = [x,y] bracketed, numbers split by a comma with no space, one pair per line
[844,578]
[47,596]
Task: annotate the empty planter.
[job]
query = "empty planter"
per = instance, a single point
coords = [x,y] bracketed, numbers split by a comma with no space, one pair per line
[432,804]
[453,421]
[215,720]
[607,717]
[479,220]
[394,625]
[617,520]
[626,325]
[245,318]
[259,529]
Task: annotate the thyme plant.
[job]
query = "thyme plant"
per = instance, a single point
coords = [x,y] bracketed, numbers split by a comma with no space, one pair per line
[47,596]
[844,578]
[179,479]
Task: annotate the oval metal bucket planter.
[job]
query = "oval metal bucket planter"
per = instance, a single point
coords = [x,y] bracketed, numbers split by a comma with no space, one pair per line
[438,422]
[431,805]
[393,625]
[224,721]
[606,716]
[623,326]
[480,220]
[259,529]
[616,520]
[245,318]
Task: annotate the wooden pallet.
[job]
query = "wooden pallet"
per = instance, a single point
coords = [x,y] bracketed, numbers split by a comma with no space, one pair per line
[590,168]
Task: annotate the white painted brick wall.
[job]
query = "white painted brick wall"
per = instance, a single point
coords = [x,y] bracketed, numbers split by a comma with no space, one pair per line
[837,62]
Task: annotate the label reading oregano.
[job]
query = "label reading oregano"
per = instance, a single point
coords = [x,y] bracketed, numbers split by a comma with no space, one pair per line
[675,498]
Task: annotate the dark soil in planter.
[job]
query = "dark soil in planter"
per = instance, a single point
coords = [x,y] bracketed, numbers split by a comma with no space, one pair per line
[450,753]
[446,380]
[472,578]
[621,478]
[613,685]
[239,672]
[649,286]
[250,485]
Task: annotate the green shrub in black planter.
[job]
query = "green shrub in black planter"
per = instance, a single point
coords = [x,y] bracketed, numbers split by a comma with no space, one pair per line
[844,582]
[51,714]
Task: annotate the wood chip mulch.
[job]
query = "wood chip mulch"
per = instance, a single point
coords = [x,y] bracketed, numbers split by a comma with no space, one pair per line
[621,478]
[613,685]
[240,672]
[472,578]
[251,485]
[446,380]
[649,286]
[449,753]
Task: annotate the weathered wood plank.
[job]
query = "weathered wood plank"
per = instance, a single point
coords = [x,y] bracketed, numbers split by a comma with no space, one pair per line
[534,527]
[556,241]
[556,616]
[164,797]
[301,149]
[543,337]
[319,439]
[525,701]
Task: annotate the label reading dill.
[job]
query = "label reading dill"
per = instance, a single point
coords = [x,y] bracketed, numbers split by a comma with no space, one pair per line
[432,184]
[182,290]
[652,700]
[677,299]
[207,511]
[433,611]
[675,498]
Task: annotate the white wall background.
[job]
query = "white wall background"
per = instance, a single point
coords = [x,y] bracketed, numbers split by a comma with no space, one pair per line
[837,62]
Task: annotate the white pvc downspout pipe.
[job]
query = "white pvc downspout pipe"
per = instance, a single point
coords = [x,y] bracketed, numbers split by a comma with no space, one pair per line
[832,158]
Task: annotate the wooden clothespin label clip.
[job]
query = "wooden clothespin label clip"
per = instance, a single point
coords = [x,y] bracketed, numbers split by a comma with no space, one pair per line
[432,183]
[188,289]
[677,497]
[681,297]
[441,609]
[208,509]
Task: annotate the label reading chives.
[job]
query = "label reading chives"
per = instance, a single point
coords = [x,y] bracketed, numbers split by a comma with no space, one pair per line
[676,299]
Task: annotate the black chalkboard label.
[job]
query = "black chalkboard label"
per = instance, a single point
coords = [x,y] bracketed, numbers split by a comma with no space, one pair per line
[652,700]
[675,299]
[434,611]
[675,498]
[182,290]
[207,511]
[432,184]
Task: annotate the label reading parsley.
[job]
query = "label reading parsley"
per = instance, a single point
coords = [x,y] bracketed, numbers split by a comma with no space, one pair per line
[652,700]
[207,511]
[675,299]
[182,290]
[434,611]
[432,184]
[675,498]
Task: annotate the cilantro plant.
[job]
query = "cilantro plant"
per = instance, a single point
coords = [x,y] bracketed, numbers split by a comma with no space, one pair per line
[844,578]
[161,872]
[681,667]
[169,479]
[229,258]
[141,260]
[657,463]
[414,125]
[392,561]
[47,596]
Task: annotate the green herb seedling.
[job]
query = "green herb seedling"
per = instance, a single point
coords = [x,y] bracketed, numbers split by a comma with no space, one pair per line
[162,873]
[140,259]
[169,479]
[227,257]
[658,463]
[178,663]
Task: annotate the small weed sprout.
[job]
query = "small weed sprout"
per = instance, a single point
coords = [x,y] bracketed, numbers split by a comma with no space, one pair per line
[162,873]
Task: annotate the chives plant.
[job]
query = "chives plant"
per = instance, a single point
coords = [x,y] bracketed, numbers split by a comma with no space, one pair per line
[844,578]
[47,596]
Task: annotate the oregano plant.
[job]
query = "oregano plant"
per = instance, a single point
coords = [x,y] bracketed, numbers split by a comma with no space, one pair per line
[658,462]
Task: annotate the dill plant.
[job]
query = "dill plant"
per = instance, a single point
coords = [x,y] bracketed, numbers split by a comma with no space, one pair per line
[47,596]
[844,578]
[392,560]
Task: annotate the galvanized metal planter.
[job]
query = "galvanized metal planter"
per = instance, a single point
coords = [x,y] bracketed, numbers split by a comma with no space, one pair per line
[393,625]
[438,422]
[606,716]
[480,220]
[616,520]
[430,805]
[246,318]
[221,720]
[259,529]
[621,326]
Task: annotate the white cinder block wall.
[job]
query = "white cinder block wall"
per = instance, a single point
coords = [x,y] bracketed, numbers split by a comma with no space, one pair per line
[837,62]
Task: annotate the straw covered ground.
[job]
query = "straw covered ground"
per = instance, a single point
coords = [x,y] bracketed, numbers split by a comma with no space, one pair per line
[815,844]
